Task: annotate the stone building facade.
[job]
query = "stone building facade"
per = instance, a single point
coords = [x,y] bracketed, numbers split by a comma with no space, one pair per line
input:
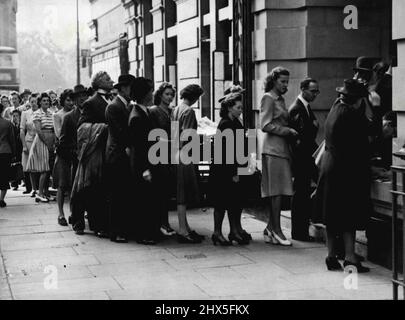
[8,32]
[190,41]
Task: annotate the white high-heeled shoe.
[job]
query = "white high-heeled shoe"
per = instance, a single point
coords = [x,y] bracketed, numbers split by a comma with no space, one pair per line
[278,240]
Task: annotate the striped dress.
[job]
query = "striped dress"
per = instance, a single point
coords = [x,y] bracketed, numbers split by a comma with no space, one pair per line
[40,156]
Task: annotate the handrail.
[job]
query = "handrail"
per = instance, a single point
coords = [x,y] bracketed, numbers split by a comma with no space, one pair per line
[396,282]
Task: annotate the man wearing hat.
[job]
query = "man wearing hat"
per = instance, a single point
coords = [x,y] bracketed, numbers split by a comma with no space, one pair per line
[117,159]
[343,196]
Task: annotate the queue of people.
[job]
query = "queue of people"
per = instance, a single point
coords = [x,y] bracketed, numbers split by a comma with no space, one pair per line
[95,146]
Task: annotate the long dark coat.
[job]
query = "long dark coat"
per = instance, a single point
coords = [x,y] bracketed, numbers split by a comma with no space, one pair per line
[343,197]
[146,221]
[224,193]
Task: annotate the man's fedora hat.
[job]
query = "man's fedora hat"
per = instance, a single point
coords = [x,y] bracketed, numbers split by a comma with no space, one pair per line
[353,88]
[26,91]
[364,64]
[79,89]
[124,80]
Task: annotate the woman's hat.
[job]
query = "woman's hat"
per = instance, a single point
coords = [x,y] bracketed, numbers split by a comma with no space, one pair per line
[124,80]
[364,64]
[26,91]
[353,88]
[231,90]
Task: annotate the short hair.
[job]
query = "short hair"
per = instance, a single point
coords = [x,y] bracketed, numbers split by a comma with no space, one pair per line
[66,94]
[141,87]
[95,81]
[273,76]
[191,92]
[157,98]
[305,83]
[16,111]
[4,97]
[229,101]
[42,96]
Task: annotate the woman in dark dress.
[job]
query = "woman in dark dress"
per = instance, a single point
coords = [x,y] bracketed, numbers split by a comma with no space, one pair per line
[225,188]
[343,194]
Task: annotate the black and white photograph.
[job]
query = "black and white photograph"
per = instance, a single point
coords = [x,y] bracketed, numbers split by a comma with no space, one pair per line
[202,155]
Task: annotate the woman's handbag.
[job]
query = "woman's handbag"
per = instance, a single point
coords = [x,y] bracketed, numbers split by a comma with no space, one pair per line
[16,172]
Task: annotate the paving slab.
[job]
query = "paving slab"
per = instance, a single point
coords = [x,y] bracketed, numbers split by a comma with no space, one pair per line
[89,268]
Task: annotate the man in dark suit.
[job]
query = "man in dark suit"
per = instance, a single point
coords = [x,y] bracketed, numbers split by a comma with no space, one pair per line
[93,199]
[147,223]
[303,120]
[94,108]
[117,159]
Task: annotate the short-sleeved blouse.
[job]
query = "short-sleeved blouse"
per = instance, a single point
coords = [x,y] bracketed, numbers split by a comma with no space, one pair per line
[46,119]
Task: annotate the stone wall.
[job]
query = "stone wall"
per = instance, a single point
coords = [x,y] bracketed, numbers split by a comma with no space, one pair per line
[8,33]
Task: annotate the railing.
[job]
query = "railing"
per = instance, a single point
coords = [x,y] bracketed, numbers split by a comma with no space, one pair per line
[396,282]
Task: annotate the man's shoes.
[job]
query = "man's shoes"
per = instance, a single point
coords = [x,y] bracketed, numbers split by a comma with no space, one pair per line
[34,193]
[79,232]
[3,204]
[119,239]
[27,192]
[333,264]
[146,242]
[358,257]
[358,267]
[102,234]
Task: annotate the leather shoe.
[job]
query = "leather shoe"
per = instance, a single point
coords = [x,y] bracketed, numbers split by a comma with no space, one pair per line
[79,232]
[119,239]
[357,266]
[62,222]
[102,234]
[333,264]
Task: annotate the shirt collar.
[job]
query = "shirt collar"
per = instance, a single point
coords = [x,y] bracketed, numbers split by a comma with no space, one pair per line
[123,100]
[305,102]
[102,91]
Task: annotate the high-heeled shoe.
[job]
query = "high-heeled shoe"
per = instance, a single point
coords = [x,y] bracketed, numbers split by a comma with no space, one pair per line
[360,268]
[222,242]
[39,198]
[278,240]
[333,264]
[197,236]
[188,239]
[238,239]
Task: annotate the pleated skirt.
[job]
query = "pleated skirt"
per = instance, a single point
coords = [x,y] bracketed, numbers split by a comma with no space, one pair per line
[39,156]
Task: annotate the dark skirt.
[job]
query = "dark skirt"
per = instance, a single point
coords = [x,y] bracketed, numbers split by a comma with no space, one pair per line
[343,200]
[62,173]
[5,169]
[224,193]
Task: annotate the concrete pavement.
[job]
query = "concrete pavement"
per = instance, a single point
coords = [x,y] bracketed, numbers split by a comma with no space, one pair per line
[41,260]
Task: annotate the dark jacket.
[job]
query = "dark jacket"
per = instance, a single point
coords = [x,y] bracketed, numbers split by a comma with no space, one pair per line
[67,147]
[161,119]
[343,194]
[7,138]
[93,110]
[303,123]
[140,125]
[117,116]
